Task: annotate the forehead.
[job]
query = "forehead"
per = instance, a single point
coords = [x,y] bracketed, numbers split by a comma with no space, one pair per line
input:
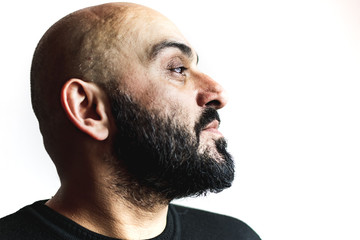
[145,32]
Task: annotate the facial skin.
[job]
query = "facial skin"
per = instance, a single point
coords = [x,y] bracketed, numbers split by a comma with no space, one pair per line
[171,96]
[127,117]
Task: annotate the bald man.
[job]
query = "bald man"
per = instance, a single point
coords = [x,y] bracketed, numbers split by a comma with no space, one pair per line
[131,124]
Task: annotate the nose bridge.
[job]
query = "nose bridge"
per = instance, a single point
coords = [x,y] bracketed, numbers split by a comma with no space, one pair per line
[210,92]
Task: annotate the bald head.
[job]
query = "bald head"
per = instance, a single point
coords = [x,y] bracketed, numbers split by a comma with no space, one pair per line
[93,44]
[86,44]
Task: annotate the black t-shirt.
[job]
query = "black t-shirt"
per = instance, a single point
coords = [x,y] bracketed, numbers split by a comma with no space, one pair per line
[37,221]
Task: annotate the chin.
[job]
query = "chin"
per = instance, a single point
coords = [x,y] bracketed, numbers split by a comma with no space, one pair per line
[209,146]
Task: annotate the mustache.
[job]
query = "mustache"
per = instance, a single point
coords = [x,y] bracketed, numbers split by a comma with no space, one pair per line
[207,116]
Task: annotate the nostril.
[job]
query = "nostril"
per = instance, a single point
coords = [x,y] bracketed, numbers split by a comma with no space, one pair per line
[213,103]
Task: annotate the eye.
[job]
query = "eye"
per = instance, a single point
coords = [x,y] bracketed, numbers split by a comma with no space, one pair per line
[179,70]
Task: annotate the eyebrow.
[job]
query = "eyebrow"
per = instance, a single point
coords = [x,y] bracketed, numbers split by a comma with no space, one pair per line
[157,48]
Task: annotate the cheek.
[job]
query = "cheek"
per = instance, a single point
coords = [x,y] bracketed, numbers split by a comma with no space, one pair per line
[180,107]
[178,103]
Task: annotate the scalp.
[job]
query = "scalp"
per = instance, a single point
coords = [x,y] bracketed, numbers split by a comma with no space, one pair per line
[85,44]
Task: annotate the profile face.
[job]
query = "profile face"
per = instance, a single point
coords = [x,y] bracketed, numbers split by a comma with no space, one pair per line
[158,69]
[164,109]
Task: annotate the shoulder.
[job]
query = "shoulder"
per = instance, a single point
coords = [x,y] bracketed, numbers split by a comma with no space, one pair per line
[12,225]
[19,225]
[210,225]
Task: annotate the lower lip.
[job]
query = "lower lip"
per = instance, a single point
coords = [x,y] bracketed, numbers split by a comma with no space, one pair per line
[213,130]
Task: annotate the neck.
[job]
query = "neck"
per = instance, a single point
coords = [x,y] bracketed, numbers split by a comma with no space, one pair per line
[104,211]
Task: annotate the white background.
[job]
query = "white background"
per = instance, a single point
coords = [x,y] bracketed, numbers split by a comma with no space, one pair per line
[292,71]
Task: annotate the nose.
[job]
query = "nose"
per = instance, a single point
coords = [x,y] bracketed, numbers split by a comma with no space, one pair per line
[210,93]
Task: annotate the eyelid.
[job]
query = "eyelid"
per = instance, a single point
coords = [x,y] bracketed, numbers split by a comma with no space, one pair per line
[176,67]
[175,62]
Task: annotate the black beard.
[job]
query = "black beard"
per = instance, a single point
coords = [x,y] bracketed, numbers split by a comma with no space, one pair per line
[158,158]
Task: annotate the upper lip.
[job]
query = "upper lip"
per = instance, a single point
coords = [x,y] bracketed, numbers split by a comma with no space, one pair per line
[213,124]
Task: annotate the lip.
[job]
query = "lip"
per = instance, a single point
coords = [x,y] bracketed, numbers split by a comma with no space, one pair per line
[213,127]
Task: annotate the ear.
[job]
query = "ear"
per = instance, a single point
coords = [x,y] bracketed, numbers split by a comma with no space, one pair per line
[85,105]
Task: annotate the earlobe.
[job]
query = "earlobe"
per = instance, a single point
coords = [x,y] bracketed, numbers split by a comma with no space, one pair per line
[84,104]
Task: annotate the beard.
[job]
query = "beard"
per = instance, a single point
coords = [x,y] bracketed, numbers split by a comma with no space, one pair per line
[157,159]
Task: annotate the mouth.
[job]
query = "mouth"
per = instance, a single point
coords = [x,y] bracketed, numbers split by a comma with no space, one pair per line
[208,123]
[212,128]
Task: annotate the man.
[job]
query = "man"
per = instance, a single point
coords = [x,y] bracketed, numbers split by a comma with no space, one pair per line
[131,124]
